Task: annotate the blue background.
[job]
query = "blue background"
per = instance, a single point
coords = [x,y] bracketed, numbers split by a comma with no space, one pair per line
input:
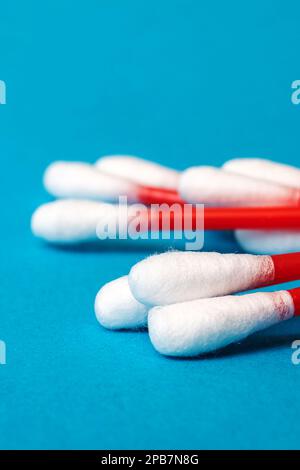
[180,82]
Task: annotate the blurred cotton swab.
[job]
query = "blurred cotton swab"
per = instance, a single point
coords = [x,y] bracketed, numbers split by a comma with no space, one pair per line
[268,241]
[265,169]
[200,326]
[139,170]
[199,184]
[71,221]
[76,220]
[215,186]
[85,181]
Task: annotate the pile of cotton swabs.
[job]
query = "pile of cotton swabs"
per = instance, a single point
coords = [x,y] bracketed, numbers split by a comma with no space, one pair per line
[184,297]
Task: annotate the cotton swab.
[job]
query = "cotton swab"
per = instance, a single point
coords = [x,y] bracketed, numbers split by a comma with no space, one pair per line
[265,169]
[71,220]
[177,276]
[219,187]
[116,308]
[76,220]
[199,184]
[200,326]
[174,277]
[268,241]
[139,170]
[84,181]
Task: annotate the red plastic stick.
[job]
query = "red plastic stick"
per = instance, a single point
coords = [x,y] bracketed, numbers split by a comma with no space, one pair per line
[151,195]
[295,293]
[287,267]
[233,218]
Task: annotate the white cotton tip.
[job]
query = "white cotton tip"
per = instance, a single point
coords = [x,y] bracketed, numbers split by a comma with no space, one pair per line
[219,187]
[82,220]
[85,181]
[201,326]
[268,241]
[266,170]
[71,220]
[116,308]
[180,276]
[139,171]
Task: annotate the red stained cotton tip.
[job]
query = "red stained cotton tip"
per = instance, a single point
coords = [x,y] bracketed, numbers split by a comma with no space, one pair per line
[200,326]
[180,276]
